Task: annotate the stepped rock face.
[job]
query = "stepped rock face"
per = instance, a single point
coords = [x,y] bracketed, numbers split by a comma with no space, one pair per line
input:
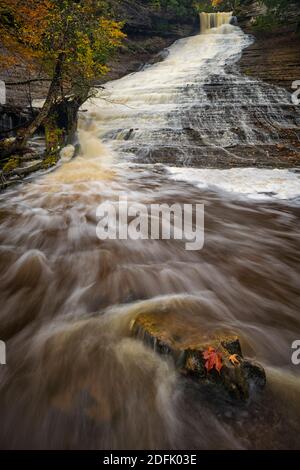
[169,335]
[274,56]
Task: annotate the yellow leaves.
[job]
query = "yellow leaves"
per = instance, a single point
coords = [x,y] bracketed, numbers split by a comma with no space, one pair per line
[44,28]
[102,69]
[23,32]
[216,3]
[234,359]
[112,31]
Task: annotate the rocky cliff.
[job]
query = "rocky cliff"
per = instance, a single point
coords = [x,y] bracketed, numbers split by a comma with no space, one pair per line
[275,55]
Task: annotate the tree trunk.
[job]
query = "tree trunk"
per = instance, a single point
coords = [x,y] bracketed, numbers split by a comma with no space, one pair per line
[66,114]
[9,146]
[61,123]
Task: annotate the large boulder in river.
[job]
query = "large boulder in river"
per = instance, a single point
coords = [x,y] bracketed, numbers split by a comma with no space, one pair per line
[213,359]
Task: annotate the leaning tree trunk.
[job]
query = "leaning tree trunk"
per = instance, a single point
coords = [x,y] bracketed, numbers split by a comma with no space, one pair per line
[61,123]
[9,146]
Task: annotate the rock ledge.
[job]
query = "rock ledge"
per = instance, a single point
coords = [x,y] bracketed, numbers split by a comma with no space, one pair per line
[169,334]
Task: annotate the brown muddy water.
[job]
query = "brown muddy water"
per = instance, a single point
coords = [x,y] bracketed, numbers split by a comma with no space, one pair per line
[75,377]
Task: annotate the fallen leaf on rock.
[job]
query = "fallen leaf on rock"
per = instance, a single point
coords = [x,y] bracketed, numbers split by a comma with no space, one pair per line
[213,359]
[234,359]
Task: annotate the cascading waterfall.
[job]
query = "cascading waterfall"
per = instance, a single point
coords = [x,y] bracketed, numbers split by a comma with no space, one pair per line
[214,20]
[76,378]
[194,108]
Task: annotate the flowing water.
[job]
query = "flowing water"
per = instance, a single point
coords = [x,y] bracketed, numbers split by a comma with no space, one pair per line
[75,377]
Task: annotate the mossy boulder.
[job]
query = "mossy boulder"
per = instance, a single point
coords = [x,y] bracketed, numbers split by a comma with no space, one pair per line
[170,334]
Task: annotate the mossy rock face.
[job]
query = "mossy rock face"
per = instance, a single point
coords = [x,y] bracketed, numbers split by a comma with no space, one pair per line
[170,334]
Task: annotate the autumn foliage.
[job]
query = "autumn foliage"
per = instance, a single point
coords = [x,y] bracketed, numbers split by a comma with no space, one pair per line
[43,29]
[213,359]
[216,3]
[71,41]
[21,28]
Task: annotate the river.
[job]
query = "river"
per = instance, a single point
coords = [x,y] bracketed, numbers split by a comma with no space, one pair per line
[187,130]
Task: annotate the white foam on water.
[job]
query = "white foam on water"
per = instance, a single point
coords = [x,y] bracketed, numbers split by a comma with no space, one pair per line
[251,182]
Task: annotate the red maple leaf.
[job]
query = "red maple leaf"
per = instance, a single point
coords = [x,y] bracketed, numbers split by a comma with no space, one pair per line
[213,359]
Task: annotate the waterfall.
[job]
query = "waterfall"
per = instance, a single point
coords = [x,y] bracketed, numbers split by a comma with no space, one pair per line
[194,108]
[214,20]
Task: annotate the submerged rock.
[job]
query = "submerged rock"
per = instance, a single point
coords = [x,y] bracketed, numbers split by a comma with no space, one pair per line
[211,359]
[67,153]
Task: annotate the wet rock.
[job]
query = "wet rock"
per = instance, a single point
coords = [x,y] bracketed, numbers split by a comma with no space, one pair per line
[274,56]
[30,155]
[67,153]
[169,334]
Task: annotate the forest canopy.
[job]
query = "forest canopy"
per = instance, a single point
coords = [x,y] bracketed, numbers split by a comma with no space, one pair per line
[70,40]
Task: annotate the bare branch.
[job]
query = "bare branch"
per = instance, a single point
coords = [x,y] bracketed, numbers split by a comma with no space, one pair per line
[26,82]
